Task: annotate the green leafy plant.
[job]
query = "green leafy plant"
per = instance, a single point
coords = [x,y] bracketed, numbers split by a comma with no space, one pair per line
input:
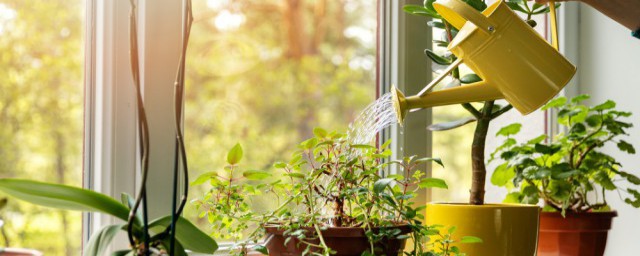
[327,183]
[566,170]
[78,199]
[489,110]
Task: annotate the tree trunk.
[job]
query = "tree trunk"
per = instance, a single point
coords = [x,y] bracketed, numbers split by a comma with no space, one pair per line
[479,170]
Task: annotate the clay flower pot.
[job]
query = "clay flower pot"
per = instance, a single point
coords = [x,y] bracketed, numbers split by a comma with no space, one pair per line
[345,241]
[579,234]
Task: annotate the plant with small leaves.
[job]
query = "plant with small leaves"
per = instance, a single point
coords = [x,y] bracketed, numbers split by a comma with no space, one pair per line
[489,110]
[565,171]
[327,183]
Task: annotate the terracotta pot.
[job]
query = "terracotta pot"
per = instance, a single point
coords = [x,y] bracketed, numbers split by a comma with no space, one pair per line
[505,229]
[345,241]
[579,234]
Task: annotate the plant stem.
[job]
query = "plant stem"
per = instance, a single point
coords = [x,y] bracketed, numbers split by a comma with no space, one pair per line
[479,171]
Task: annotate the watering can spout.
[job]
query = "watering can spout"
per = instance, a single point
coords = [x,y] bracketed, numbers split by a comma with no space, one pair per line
[479,91]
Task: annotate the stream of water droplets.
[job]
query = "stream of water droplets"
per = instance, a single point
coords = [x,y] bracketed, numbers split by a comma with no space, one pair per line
[372,120]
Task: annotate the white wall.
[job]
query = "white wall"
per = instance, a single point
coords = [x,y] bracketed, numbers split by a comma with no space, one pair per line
[609,68]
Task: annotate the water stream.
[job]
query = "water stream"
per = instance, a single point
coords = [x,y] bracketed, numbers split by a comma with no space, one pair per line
[375,117]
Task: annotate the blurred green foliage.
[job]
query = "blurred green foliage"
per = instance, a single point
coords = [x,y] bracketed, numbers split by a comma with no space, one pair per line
[41,99]
[264,73]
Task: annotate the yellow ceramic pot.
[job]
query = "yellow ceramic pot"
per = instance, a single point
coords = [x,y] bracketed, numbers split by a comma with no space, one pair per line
[506,229]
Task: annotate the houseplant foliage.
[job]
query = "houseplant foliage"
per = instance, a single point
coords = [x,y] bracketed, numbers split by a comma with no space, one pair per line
[169,235]
[328,183]
[571,175]
[566,170]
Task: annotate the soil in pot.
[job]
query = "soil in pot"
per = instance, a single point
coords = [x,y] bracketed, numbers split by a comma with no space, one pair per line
[578,234]
[344,240]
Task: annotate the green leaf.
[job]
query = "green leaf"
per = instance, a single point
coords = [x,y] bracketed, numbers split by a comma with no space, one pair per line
[609,104]
[602,178]
[235,154]
[261,249]
[502,175]
[188,234]
[420,10]
[470,240]
[630,177]
[511,129]
[451,125]
[429,159]
[129,201]
[470,78]
[437,58]
[626,147]
[63,197]
[635,202]
[256,175]
[538,139]
[536,172]
[432,183]
[547,150]
[101,240]
[178,250]
[513,198]
[516,7]
[476,4]
[319,132]
[123,253]
[579,98]
[203,178]
[555,103]
[381,184]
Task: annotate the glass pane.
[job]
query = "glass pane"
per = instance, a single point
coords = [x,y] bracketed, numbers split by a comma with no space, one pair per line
[265,73]
[41,112]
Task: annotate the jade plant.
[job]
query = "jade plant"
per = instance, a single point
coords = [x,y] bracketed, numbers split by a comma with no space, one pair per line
[569,172]
[489,110]
[328,182]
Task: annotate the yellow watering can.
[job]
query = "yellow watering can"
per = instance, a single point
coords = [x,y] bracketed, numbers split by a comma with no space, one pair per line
[514,62]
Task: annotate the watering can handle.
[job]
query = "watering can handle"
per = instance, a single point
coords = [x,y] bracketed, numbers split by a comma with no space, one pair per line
[458,13]
[555,41]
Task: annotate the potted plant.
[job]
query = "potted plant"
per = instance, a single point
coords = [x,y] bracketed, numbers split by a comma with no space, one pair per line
[169,235]
[570,174]
[332,200]
[517,224]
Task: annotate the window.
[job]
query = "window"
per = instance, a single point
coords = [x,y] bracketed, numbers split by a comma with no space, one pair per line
[41,112]
[265,73]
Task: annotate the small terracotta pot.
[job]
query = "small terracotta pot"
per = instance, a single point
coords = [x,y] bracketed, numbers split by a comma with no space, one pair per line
[345,241]
[579,234]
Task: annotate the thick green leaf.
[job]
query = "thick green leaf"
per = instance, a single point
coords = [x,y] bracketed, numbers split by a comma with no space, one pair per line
[437,58]
[435,24]
[188,234]
[432,183]
[513,198]
[63,197]
[516,7]
[100,240]
[451,125]
[476,4]
[470,78]
[470,240]
[256,175]
[381,184]
[261,249]
[235,154]
[203,178]
[511,129]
